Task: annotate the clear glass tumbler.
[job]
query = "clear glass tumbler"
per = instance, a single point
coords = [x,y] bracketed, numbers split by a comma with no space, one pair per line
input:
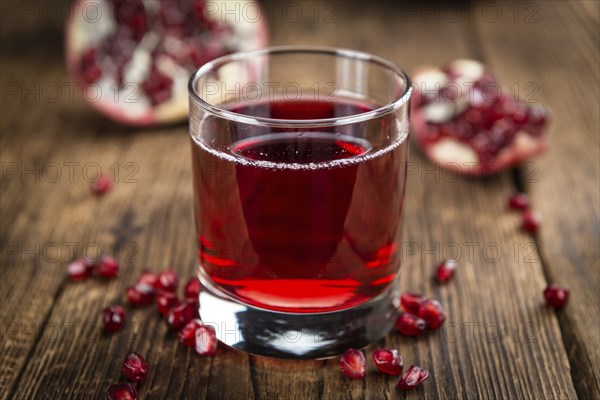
[299,167]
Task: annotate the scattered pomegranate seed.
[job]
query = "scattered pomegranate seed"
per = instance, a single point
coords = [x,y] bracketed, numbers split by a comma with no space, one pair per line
[108,267]
[388,361]
[101,185]
[192,288]
[556,296]
[445,271]
[180,315]
[412,378]
[187,335]
[410,325]
[140,294]
[167,281]
[134,367]
[113,318]
[531,221]
[433,314]
[148,277]
[80,269]
[518,201]
[121,391]
[206,340]
[411,302]
[165,301]
[353,364]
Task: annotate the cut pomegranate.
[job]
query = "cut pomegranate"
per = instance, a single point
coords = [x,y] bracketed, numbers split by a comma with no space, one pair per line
[165,301]
[134,367]
[187,335]
[445,271]
[192,289]
[81,269]
[411,302]
[412,378]
[180,315]
[113,318]
[518,201]
[121,391]
[556,296]
[108,267]
[102,185]
[432,312]
[140,294]
[148,277]
[410,325]
[353,364]
[388,361]
[134,60]
[167,281]
[463,121]
[206,340]
[531,221]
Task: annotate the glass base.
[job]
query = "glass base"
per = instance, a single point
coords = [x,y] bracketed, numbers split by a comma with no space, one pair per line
[296,336]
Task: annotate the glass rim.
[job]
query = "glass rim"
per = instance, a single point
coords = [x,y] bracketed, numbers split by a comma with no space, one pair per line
[380,111]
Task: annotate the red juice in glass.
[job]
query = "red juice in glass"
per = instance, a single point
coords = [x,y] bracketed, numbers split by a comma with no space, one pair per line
[298,198]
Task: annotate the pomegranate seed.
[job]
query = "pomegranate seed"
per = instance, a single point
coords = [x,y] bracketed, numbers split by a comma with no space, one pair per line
[432,312]
[445,271]
[518,201]
[187,335]
[206,340]
[353,364]
[556,296]
[180,315]
[140,294]
[148,277]
[80,270]
[412,378]
[108,267]
[101,185]
[410,325]
[157,87]
[165,301]
[121,391]
[388,361]
[167,281]
[531,221]
[192,288]
[113,318]
[134,367]
[411,302]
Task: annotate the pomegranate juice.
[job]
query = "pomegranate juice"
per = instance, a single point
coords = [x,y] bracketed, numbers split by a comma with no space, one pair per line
[299,220]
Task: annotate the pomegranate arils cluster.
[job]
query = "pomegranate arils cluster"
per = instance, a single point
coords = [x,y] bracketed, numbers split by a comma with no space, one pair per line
[412,378]
[421,314]
[134,367]
[165,301]
[113,318]
[353,364]
[556,296]
[445,271]
[181,314]
[388,361]
[121,391]
[463,120]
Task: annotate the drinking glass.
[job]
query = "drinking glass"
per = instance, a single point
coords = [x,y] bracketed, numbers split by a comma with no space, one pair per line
[299,161]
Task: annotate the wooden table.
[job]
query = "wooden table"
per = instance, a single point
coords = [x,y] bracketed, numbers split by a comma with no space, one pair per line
[500,341]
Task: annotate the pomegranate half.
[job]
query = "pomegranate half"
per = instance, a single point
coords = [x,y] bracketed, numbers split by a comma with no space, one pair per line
[133,58]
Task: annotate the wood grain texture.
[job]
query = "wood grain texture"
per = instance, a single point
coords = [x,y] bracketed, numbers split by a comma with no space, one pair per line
[499,341]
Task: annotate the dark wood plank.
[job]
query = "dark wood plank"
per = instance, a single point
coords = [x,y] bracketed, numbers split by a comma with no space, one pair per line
[467,359]
[564,183]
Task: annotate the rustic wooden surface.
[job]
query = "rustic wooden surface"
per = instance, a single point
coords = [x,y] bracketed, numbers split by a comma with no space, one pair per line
[499,341]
